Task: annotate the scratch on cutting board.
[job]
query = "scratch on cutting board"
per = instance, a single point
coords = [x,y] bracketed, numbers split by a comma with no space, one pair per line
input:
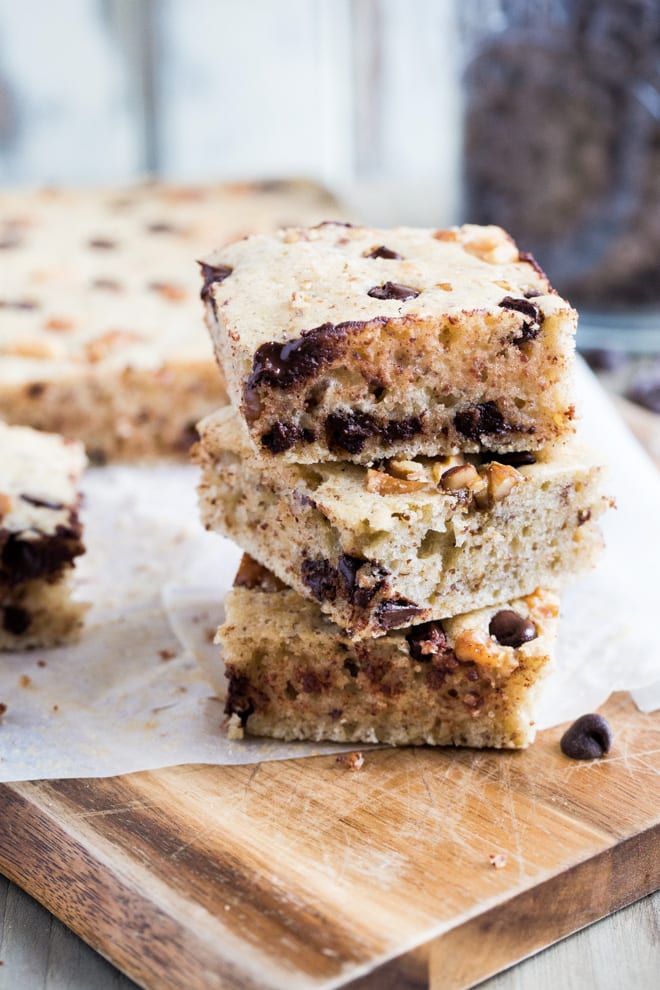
[108,812]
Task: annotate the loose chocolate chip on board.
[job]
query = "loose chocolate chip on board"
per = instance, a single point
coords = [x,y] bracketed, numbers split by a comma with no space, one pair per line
[210,275]
[384,252]
[511,629]
[481,419]
[532,324]
[428,641]
[393,290]
[589,738]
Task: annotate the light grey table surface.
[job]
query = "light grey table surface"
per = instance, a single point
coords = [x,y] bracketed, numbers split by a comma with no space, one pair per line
[621,952]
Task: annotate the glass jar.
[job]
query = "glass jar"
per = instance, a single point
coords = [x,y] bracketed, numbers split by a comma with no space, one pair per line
[562,148]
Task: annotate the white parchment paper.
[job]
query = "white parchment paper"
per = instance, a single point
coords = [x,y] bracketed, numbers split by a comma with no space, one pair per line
[144,687]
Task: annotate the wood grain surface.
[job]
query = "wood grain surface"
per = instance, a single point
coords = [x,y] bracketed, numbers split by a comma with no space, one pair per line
[304,874]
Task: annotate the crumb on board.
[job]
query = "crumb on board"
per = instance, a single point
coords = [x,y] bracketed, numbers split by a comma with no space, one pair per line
[41,663]
[234,727]
[3,708]
[25,681]
[211,633]
[167,654]
[352,761]
[56,708]
[498,860]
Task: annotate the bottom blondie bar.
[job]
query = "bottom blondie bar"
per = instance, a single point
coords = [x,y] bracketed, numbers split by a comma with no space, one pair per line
[471,680]
[40,536]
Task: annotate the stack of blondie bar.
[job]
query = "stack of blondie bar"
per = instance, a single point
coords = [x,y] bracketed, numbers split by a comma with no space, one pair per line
[398,461]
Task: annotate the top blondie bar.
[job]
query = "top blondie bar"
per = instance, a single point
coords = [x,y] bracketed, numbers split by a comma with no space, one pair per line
[340,342]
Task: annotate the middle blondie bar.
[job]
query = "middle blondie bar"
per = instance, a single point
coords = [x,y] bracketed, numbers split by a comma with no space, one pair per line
[406,541]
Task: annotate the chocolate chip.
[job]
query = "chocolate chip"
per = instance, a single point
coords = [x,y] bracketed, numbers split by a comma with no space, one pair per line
[102,244]
[107,284]
[481,419]
[392,290]
[351,667]
[22,560]
[239,696]
[20,304]
[401,429]
[387,253]
[349,431]
[42,503]
[395,612]
[589,738]
[348,567]
[210,275]
[428,641]
[529,259]
[283,436]
[311,683]
[532,325]
[15,620]
[514,458]
[511,629]
[161,227]
[321,578]
[36,390]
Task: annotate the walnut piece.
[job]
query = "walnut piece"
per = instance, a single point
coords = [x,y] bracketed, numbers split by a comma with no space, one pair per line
[473,646]
[379,483]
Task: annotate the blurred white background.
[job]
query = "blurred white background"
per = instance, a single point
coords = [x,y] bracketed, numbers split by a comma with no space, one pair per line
[360,94]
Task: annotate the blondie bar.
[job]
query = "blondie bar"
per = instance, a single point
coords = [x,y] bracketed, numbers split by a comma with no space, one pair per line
[100,330]
[40,536]
[409,540]
[469,681]
[352,343]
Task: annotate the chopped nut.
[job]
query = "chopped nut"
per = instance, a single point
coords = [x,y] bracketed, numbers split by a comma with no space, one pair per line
[443,464]
[25,681]
[445,286]
[446,235]
[102,346]
[60,323]
[352,761]
[490,244]
[379,483]
[166,654]
[472,646]
[498,860]
[408,470]
[500,479]
[31,349]
[462,476]
[542,604]
[169,291]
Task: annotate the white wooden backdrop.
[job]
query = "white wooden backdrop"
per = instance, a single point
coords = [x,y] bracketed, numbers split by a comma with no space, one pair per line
[360,94]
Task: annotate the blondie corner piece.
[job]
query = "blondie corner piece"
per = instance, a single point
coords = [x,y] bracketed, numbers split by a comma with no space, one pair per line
[412,540]
[101,336]
[40,536]
[352,343]
[469,681]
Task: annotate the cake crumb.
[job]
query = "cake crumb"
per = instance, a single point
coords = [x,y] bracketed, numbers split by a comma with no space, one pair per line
[498,860]
[41,663]
[3,708]
[235,727]
[25,681]
[352,761]
[166,654]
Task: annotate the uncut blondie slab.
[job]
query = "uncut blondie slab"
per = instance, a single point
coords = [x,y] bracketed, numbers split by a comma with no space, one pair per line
[471,680]
[350,343]
[100,331]
[40,536]
[408,541]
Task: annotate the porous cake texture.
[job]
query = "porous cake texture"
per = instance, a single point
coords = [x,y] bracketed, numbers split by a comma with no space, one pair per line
[408,540]
[40,536]
[354,343]
[100,330]
[471,680]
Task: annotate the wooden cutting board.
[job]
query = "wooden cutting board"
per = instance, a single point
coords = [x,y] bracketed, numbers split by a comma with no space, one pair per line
[304,874]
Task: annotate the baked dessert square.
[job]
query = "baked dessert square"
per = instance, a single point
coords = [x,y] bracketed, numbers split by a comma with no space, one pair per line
[354,343]
[471,680]
[101,336]
[40,537]
[408,540]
